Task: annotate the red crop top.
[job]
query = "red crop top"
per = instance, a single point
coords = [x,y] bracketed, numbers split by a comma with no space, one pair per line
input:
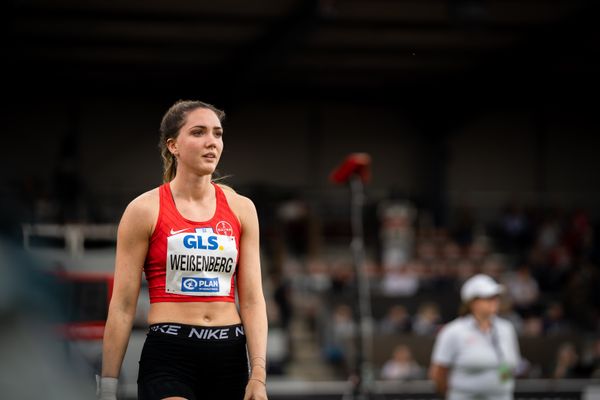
[190,261]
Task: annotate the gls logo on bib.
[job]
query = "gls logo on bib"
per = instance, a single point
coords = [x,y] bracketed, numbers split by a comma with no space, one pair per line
[200,263]
[197,242]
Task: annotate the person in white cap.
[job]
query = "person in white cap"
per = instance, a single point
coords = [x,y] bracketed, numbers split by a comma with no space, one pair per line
[474,356]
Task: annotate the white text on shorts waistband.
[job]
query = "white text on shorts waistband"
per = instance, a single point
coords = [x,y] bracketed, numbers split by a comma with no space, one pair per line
[198,332]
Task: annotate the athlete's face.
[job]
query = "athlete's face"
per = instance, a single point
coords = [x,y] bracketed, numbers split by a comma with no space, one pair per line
[200,141]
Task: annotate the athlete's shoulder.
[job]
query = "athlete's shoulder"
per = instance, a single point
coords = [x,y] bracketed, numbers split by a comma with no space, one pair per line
[243,208]
[144,207]
[238,203]
[146,199]
[246,205]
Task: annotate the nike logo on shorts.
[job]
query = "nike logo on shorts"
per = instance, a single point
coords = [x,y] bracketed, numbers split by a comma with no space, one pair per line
[179,231]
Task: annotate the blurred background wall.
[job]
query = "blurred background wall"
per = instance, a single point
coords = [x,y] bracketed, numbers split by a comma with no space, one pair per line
[492,156]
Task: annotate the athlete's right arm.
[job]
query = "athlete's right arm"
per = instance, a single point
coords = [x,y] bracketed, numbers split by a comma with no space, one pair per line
[133,237]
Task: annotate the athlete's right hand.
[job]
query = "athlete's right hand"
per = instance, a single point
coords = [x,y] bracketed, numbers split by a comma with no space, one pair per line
[256,390]
[106,388]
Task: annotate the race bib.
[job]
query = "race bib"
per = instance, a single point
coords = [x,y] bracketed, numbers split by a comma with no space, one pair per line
[200,262]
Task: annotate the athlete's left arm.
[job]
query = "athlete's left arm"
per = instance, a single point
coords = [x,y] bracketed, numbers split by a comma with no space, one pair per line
[252,300]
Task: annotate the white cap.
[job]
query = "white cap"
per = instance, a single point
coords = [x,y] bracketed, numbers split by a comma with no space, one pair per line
[480,285]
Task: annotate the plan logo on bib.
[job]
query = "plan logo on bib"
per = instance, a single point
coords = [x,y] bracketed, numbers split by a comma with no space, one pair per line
[200,285]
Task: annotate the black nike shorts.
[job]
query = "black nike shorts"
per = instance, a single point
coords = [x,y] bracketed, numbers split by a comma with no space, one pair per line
[193,362]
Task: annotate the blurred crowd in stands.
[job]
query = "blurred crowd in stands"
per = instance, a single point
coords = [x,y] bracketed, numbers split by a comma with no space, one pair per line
[547,259]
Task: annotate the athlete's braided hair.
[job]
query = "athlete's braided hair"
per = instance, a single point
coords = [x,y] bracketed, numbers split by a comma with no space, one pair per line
[170,125]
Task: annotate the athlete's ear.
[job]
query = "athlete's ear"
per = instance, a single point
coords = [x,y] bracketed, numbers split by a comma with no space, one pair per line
[172,146]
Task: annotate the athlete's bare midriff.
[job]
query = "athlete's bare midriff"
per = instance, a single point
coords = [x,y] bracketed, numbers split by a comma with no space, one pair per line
[195,313]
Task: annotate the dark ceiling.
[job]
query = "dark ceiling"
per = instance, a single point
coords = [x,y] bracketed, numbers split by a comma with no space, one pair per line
[392,48]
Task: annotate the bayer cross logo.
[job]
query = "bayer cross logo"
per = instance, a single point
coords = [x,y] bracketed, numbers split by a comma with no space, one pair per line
[190,284]
[224,228]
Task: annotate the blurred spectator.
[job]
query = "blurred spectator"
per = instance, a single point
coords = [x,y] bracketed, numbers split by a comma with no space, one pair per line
[514,230]
[567,365]
[317,279]
[452,254]
[581,296]
[402,281]
[475,355]
[426,252]
[442,276]
[372,272]
[282,295]
[478,251]
[554,322]
[396,320]
[342,275]
[549,279]
[533,326]
[402,365]
[339,338]
[396,232]
[561,261]
[277,342]
[294,217]
[426,255]
[427,320]
[548,231]
[439,236]
[523,290]
[578,234]
[548,235]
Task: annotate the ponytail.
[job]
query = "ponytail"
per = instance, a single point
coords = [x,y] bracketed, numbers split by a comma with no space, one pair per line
[169,165]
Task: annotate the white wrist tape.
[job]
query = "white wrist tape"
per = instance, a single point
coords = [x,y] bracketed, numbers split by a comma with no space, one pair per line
[106,388]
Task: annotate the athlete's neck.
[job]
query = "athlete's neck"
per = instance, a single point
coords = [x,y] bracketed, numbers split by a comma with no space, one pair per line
[193,188]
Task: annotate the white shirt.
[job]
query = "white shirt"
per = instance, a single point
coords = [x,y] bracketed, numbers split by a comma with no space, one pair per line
[474,360]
